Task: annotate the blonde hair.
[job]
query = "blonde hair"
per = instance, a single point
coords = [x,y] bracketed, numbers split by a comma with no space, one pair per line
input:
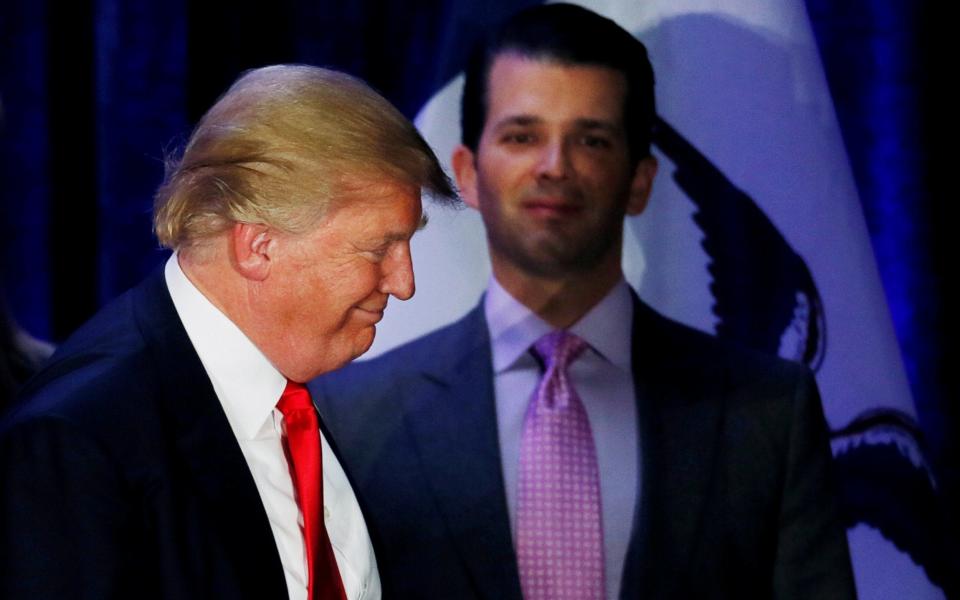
[281,147]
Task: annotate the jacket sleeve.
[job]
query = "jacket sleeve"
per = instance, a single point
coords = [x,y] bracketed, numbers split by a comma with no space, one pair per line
[812,558]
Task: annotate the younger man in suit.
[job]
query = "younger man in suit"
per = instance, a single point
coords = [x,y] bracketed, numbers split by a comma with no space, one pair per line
[563,440]
[169,448]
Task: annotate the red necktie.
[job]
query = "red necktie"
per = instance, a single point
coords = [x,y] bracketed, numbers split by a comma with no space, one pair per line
[302,443]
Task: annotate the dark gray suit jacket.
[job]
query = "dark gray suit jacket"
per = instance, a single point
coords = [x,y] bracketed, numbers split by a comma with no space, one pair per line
[737,497]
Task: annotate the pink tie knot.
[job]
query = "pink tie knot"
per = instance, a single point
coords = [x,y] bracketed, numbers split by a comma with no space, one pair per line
[558,349]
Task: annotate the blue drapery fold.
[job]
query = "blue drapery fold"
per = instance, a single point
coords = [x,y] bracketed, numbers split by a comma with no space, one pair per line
[882,62]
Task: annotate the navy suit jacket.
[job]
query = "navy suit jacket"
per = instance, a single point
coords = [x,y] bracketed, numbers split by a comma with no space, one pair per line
[737,500]
[121,475]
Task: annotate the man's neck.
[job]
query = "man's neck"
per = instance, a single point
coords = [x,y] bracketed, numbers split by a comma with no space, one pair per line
[206,272]
[560,301]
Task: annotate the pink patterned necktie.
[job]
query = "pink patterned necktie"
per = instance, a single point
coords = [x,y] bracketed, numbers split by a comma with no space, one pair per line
[559,523]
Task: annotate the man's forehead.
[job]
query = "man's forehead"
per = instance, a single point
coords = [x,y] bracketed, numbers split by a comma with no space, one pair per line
[370,194]
[373,190]
[508,59]
[526,90]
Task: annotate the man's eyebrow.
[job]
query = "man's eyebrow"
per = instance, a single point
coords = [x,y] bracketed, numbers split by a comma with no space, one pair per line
[581,123]
[602,124]
[514,120]
[401,236]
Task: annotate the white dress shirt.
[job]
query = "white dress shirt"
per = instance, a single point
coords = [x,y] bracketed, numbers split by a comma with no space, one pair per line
[603,378]
[249,388]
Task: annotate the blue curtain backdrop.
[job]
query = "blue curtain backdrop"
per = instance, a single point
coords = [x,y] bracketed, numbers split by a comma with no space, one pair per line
[95,92]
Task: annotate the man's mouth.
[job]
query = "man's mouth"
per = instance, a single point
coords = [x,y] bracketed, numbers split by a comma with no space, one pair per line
[551,207]
[374,314]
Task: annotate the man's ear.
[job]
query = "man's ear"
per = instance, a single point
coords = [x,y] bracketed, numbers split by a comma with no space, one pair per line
[641,185]
[252,245]
[465,170]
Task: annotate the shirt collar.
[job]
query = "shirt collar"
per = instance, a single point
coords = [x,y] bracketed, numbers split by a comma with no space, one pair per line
[514,328]
[245,381]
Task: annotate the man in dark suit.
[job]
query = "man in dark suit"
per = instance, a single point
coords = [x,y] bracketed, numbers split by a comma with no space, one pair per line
[169,448]
[479,451]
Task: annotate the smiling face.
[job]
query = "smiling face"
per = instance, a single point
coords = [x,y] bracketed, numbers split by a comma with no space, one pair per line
[327,289]
[552,174]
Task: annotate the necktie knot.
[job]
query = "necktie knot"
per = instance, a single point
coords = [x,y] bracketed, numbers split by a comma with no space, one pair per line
[295,398]
[559,348]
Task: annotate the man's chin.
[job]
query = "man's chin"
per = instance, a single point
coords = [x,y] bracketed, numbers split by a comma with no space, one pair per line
[546,264]
[364,341]
[333,360]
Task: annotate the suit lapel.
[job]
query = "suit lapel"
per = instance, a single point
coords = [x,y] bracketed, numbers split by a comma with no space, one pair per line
[452,419]
[206,445]
[679,426]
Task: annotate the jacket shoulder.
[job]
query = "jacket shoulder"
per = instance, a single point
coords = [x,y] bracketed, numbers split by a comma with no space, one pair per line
[679,347]
[98,383]
[432,352]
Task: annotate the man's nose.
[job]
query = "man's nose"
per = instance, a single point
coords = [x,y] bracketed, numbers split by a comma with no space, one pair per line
[554,160]
[398,274]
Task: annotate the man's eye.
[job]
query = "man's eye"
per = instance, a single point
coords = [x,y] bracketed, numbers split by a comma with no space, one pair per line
[595,141]
[378,253]
[518,138]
